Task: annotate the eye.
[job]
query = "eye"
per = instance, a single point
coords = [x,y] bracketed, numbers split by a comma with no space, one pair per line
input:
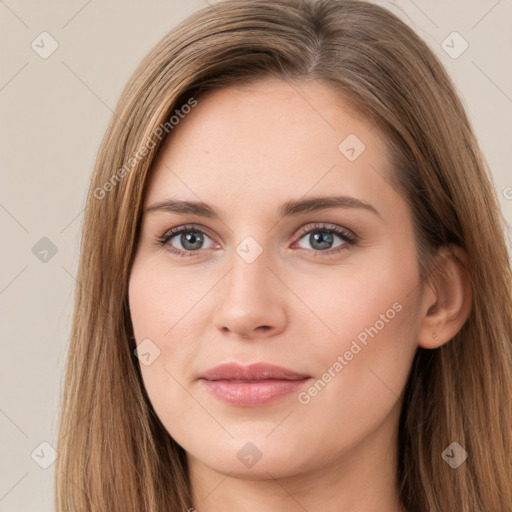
[322,237]
[184,241]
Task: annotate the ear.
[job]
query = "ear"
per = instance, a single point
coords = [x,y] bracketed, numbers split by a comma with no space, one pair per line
[447,299]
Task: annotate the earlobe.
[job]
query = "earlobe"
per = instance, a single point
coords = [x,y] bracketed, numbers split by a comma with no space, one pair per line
[447,302]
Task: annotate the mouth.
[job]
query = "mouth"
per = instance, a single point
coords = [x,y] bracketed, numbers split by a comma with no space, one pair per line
[251,386]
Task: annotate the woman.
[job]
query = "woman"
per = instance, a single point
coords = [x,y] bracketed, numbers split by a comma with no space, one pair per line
[294,284]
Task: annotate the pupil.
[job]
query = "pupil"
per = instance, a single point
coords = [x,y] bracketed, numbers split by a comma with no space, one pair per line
[324,241]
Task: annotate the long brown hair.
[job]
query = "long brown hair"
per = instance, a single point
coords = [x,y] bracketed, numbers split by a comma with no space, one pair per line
[114,454]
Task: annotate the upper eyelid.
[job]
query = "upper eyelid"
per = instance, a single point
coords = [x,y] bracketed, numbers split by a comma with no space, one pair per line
[186,227]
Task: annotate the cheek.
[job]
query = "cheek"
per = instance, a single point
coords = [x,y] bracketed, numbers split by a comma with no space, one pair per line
[363,303]
[164,327]
[160,300]
[363,367]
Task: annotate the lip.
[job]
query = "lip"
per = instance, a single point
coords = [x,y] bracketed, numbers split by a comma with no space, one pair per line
[255,371]
[253,385]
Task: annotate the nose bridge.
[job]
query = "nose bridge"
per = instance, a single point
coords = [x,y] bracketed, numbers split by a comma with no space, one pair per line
[249,268]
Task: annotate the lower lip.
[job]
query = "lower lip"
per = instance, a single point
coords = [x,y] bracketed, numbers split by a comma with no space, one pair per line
[252,394]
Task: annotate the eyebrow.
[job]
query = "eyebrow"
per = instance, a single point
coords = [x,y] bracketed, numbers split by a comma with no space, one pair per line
[289,209]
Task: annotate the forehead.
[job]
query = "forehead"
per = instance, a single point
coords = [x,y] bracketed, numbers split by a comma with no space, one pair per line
[267,140]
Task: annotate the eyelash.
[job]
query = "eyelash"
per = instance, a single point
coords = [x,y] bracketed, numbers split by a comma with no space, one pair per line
[348,238]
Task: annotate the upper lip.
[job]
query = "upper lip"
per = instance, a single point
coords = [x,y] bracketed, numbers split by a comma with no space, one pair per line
[256,371]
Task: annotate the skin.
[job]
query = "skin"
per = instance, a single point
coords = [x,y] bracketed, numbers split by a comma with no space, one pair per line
[245,151]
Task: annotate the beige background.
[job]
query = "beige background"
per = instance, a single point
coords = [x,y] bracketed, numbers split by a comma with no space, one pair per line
[54,113]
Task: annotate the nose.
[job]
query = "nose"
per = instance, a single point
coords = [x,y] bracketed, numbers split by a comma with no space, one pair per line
[251,300]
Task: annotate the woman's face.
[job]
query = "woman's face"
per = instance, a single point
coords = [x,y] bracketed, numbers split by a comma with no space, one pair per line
[265,279]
